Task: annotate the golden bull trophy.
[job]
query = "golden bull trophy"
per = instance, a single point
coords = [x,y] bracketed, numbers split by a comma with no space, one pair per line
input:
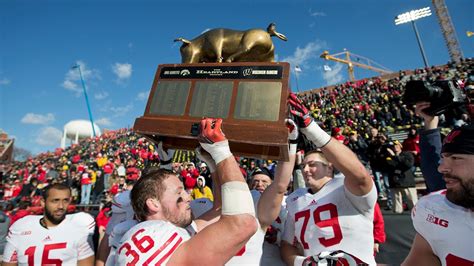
[225,74]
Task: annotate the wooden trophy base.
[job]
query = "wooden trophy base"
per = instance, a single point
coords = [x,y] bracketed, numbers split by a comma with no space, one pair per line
[250,97]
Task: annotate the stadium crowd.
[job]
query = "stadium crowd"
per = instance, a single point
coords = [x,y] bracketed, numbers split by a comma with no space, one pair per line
[362,115]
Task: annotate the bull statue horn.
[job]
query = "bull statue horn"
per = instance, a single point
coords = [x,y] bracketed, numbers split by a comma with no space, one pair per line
[182,40]
[271,29]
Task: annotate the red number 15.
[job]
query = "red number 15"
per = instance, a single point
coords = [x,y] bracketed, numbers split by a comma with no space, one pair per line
[30,252]
[332,222]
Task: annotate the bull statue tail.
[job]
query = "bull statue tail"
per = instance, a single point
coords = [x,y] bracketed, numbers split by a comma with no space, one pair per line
[182,40]
[271,29]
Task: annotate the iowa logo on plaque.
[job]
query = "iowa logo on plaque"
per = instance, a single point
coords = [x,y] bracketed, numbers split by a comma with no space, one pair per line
[249,96]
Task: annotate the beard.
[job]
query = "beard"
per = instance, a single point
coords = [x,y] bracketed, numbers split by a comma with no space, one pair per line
[55,220]
[182,219]
[463,196]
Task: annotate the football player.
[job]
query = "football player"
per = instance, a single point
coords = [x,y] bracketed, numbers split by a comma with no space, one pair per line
[56,238]
[444,220]
[123,216]
[166,232]
[333,217]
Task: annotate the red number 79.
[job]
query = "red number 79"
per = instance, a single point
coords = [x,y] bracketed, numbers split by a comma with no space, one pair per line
[331,222]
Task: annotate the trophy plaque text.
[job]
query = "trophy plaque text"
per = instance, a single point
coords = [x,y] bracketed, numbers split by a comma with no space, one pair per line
[250,97]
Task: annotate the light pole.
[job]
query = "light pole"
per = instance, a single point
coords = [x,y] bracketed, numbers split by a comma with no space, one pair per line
[411,16]
[85,95]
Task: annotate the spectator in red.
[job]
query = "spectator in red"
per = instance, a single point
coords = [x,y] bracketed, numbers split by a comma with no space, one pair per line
[16,188]
[76,158]
[21,212]
[114,190]
[337,134]
[132,172]
[103,219]
[144,156]
[80,168]
[108,169]
[119,187]
[41,172]
[86,186]
[379,228]
[190,175]
[412,144]
[28,191]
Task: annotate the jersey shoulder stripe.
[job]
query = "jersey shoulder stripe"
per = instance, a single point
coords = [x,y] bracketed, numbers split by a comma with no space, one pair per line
[170,251]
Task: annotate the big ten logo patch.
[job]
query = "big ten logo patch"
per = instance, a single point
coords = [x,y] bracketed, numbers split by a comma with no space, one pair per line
[436,220]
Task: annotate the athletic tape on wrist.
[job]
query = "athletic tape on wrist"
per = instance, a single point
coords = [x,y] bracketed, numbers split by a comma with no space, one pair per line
[298,261]
[292,149]
[219,150]
[318,136]
[236,199]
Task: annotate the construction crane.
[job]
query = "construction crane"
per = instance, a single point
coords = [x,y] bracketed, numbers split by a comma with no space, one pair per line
[356,61]
[448,30]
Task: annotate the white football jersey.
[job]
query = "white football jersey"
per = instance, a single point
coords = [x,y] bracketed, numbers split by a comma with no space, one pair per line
[448,228]
[331,219]
[151,243]
[29,243]
[271,245]
[114,239]
[253,251]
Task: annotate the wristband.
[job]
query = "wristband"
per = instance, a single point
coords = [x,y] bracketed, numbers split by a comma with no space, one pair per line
[219,150]
[318,136]
[292,148]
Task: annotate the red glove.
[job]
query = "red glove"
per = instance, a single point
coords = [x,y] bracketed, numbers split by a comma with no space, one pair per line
[213,140]
[301,113]
[210,131]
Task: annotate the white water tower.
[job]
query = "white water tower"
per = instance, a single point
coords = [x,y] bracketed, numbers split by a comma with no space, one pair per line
[75,130]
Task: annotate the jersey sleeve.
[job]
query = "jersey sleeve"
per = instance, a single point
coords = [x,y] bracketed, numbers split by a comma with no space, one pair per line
[364,204]
[86,225]
[417,215]
[288,233]
[10,251]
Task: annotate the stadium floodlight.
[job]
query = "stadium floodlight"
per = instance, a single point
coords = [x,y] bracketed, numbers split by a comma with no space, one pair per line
[77,66]
[411,16]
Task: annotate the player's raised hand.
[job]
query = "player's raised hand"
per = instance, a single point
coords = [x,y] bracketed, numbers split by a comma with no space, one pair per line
[293,134]
[301,113]
[306,123]
[165,156]
[430,121]
[292,130]
[211,131]
[213,140]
